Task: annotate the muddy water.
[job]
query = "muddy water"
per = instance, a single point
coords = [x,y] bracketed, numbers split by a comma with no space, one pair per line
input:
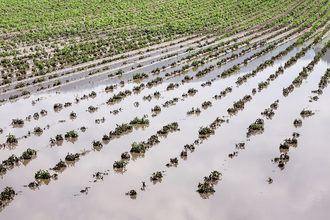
[298,192]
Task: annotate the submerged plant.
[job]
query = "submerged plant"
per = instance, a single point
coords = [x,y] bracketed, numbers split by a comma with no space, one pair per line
[205,188]
[72,157]
[28,154]
[156,176]
[137,121]
[11,139]
[213,177]
[60,165]
[71,134]
[119,164]
[205,131]
[42,174]
[138,148]
[6,195]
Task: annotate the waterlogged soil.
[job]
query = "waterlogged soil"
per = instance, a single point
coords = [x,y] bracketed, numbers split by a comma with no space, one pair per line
[300,191]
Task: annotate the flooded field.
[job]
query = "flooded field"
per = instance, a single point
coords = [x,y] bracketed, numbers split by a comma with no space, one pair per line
[217,126]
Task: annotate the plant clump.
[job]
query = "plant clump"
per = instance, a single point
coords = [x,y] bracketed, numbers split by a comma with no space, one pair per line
[125,156]
[92,109]
[119,164]
[37,130]
[11,139]
[306,113]
[17,122]
[192,91]
[139,76]
[206,104]
[256,128]
[213,177]
[205,188]
[60,165]
[156,177]
[137,121]
[120,129]
[156,108]
[72,157]
[42,174]
[193,110]
[205,131]
[132,193]
[6,195]
[58,106]
[138,148]
[168,128]
[28,154]
[11,161]
[71,135]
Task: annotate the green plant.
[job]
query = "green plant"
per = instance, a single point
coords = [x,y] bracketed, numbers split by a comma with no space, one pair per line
[42,174]
[11,139]
[28,154]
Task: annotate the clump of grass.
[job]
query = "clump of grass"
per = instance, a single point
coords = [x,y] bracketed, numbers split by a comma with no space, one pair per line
[2,168]
[269,113]
[6,195]
[297,81]
[192,91]
[172,86]
[173,162]
[152,140]
[138,148]
[206,104]
[120,129]
[263,85]
[92,94]
[72,157]
[37,130]
[28,154]
[59,138]
[168,128]
[67,104]
[194,111]
[11,139]
[119,164]
[137,121]
[43,112]
[256,127]
[125,156]
[132,193]
[97,145]
[156,109]
[17,121]
[73,115]
[42,174]
[205,131]
[92,109]
[60,165]
[138,76]
[213,177]
[306,113]
[205,188]
[105,138]
[11,161]
[58,106]
[71,134]
[36,116]
[297,122]
[157,176]
[284,147]
[110,88]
